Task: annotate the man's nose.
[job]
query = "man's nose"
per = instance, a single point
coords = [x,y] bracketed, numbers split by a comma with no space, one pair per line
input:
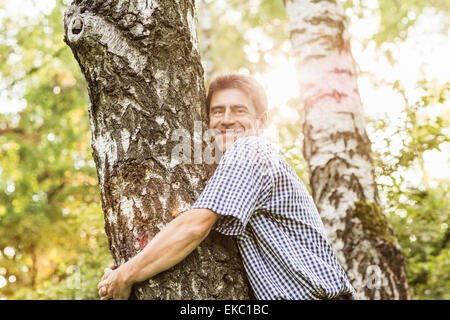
[228,118]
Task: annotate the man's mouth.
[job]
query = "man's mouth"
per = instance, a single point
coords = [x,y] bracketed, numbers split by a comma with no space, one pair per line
[230,132]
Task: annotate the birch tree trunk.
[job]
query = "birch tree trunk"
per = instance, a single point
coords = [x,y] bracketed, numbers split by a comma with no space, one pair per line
[142,65]
[338,152]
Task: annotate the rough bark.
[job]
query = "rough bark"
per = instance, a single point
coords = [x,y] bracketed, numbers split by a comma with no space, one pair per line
[338,152]
[142,65]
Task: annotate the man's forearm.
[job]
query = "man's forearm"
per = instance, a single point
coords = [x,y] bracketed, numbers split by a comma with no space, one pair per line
[171,245]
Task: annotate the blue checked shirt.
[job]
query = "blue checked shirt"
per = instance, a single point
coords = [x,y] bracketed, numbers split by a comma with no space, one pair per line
[281,238]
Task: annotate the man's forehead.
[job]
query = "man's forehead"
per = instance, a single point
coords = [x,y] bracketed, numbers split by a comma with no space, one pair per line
[232,96]
[231,105]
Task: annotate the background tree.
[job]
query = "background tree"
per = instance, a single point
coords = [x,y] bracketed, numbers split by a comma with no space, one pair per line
[338,152]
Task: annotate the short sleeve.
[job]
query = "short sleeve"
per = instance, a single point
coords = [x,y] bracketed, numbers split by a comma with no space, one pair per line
[240,185]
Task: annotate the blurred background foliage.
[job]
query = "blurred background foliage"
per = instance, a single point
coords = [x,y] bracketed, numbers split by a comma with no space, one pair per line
[52,240]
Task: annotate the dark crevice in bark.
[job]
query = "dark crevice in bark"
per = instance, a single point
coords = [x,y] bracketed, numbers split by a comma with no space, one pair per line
[296,31]
[332,23]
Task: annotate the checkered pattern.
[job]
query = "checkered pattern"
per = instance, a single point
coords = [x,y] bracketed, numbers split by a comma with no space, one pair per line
[280,235]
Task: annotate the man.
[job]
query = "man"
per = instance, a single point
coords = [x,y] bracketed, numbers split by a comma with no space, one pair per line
[253,195]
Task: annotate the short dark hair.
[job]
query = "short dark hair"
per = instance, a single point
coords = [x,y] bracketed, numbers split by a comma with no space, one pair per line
[247,84]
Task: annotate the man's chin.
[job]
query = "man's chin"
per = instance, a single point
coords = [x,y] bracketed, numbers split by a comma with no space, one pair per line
[223,146]
[225,143]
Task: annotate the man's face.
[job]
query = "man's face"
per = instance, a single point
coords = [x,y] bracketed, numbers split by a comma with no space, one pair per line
[232,115]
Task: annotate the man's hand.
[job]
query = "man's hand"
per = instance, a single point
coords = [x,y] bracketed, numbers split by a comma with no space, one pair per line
[171,245]
[112,285]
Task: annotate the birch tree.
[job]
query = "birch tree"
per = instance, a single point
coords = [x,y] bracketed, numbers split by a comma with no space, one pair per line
[338,151]
[142,65]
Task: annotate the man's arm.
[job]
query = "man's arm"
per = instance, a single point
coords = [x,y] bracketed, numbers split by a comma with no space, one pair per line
[170,246]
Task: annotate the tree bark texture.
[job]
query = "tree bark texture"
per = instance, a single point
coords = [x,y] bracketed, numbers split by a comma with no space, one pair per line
[142,65]
[338,152]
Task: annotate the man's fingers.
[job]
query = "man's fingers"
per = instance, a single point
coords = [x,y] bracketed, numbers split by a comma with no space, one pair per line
[107,270]
[105,276]
[102,291]
[106,294]
[102,283]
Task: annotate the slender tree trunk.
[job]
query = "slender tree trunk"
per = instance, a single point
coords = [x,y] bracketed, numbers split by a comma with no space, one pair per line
[34,267]
[338,151]
[142,65]
[205,30]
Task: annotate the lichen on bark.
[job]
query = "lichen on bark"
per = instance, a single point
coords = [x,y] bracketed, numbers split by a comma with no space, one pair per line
[373,221]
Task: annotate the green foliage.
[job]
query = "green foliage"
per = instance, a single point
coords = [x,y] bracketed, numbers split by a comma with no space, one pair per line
[230,41]
[418,130]
[396,16]
[424,236]
[50,215]
[420,215]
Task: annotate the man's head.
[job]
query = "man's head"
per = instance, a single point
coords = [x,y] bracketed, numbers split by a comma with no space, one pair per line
[236,106]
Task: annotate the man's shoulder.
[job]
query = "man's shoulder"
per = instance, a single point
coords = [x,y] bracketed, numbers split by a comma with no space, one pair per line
[250,149]
[254,143]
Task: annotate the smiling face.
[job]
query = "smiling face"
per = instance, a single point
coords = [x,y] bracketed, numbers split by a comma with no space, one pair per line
[233,115]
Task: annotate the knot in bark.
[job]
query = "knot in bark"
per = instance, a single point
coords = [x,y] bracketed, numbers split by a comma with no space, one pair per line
[76,28]
[77,25]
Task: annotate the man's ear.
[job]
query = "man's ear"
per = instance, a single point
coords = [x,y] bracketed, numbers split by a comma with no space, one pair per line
[262,120]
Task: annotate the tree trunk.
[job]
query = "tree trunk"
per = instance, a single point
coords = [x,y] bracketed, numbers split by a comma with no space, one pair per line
[142,65]
[338,152]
